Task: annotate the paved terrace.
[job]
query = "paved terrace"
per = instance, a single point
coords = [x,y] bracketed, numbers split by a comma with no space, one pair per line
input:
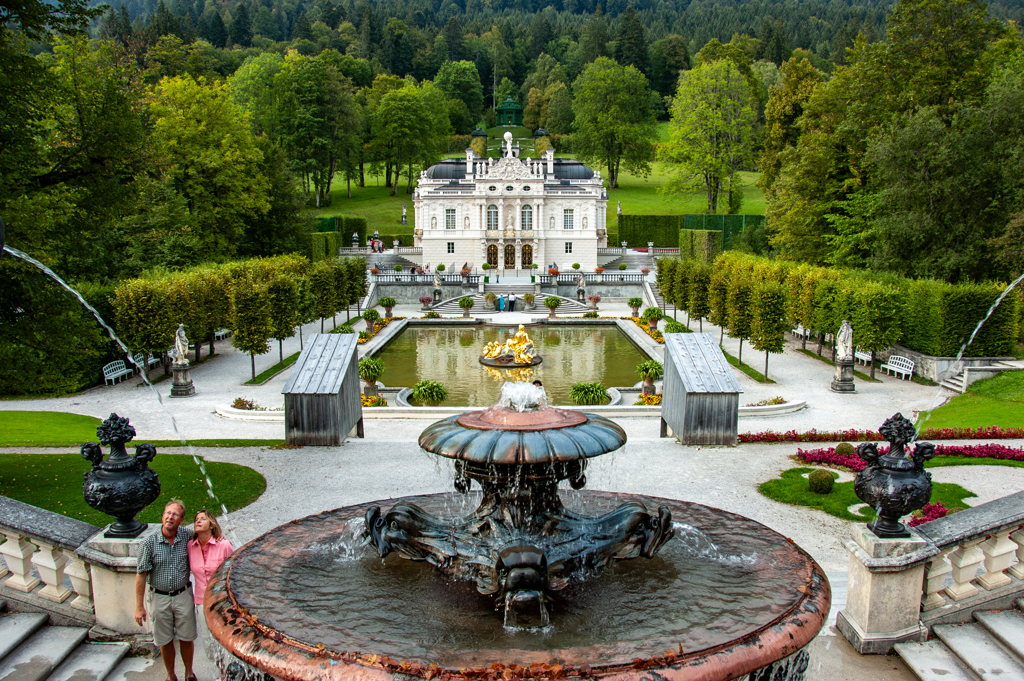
[388,463]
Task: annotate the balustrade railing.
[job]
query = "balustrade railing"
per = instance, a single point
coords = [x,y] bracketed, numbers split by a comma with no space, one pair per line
[397,278]
[349,251]
[409,250]
[611,251]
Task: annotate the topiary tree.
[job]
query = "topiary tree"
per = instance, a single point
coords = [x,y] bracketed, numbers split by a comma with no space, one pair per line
[634,305]
[820,481]
[252,326]
[699,293]
[648,371]
[845,449]
[321,278]
[622,267]
[681,287]
[370,370]
[429,393]
[768,323]
[388,303]
[877,318]
[740,310]
[305,311]
[552,303]
[283,299]
[718,298]
[466,303]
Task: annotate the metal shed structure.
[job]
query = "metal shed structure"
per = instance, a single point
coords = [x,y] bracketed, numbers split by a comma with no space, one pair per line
[321,396]
[701,397]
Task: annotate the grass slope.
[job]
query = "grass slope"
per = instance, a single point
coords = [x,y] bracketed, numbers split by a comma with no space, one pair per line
[791,488]
[996,401]
[54,482]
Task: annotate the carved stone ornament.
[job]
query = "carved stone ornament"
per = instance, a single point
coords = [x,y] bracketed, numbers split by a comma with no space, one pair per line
[508,168]
[121,485]
[895,483]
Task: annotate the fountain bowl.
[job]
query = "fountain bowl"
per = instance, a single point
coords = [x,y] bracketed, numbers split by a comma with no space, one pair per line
[754,607]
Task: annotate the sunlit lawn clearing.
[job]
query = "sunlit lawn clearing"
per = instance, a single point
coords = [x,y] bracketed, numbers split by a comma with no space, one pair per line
[997,401]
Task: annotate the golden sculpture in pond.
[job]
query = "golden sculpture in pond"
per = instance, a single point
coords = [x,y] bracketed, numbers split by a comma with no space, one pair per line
[516,350]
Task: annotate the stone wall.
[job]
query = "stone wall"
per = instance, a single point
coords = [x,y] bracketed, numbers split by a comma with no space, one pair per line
[939,369]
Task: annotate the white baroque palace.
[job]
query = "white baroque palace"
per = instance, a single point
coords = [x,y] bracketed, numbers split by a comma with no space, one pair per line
[511,212]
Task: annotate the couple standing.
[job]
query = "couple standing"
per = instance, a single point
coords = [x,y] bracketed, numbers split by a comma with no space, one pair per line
[165,560]
[511,303]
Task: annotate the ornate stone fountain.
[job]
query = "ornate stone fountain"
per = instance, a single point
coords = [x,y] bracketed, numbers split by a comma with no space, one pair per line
[726,597]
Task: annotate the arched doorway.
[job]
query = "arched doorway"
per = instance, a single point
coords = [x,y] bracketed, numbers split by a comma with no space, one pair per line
[492,255]
[510,257]
[527,256]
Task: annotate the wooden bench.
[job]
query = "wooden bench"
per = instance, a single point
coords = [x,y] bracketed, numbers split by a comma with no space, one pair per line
[863,356]
[114,371]
[899,366]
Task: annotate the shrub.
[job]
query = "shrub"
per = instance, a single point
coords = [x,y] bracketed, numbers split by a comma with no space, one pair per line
[575,265]
[466,302]
[635,303]
[768,402]
[432,315]
[245,404]
[588,393]
[426,300]
[845,449]
[486,266]
[386,301]
[440,267]
[651,369]
[371,369]
[652,314]
[552,302]
[591,315]
[371,316]
[529,297]
[345,328]
[673,326]
[364,335]
[398,268]
[929,513]
[820,481]
[429,393]
[622,266]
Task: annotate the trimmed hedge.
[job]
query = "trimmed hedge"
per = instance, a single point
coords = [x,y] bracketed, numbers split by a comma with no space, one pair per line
[666,231]
[700,244]
[322,246]
[348,224]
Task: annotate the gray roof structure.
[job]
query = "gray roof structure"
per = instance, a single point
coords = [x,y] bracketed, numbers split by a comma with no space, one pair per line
[701,365]
[320,368]
[700,395]
[455,169]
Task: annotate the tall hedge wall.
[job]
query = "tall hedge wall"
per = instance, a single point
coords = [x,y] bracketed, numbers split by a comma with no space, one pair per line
[700,244]
[665,230]
[348,224]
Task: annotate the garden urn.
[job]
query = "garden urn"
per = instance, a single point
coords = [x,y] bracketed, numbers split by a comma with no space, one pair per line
[120,485]
[894,483]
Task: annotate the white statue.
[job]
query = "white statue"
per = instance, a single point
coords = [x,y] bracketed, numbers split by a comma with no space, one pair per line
[581,283]
[844,341]
[437,280]
[508,144]
[180,347]
[620,207]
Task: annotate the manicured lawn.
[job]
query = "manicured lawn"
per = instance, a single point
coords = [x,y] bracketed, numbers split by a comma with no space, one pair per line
[747,369]
[265,376]
[54,482]
[791,488]
[996,401]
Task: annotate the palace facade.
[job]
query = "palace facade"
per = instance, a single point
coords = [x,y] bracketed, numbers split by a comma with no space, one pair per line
[510,212]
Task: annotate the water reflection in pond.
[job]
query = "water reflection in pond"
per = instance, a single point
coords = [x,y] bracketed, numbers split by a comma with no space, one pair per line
[451,355]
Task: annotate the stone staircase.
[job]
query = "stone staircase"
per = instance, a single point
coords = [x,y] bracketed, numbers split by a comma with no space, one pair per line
[481,308]
[31,650]
[388,261]
[633,261]
[666,307]
[990,648]
[956,383]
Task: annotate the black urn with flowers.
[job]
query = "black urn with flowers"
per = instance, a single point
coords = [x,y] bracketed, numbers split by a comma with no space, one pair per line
[894,484]
[120,485]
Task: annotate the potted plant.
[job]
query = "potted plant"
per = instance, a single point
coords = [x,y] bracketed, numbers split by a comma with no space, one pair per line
[599,271]
[370,370]
[553,271]
[370,317]
[388,303]
[645,271]
[552,303]
[528,299]
[466,271]
[652,315]
[622,268]
[649,371]
[588,393]
[398,268]
[486,267]
[594,299]
[491,300]
[440,267]
[466,303]
[374,270]
[634,305]
[533,275]
[429,393]
[576,266]
[426,301]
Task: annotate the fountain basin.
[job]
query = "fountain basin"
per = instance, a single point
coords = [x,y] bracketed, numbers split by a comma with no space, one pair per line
[730,594]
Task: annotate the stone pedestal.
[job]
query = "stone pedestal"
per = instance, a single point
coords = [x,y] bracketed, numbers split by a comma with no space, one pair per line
[181,382]
[437,296]
[112,566]
[843,381]
[883,602]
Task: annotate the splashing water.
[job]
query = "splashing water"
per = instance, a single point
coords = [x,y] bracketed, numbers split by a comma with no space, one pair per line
[700,545]
[110,332]
[958,361]
[522,396]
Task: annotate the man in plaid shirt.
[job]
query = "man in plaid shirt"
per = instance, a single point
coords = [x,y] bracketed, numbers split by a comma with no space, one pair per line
[163,562]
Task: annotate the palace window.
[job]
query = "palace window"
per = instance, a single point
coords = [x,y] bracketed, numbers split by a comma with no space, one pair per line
[492,217]
[567,218]
[451,246]
[527,217]
[449,218]
[568,247]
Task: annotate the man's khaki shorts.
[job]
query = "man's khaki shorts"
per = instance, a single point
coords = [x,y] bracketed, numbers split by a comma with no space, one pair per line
[174,617]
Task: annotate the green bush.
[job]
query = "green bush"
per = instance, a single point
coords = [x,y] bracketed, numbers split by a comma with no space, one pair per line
[429,393]
[344,328]
[371,316]
[371,369]
[552,302]
[635,302]
[845,449]
[486,266]
[590,315]
[820,481]
[575,265]
[466,302]
[651,369]
[673,326]
[652,314]
[348,224]
[386,301]
[588,393]
[440,267]
[622,266]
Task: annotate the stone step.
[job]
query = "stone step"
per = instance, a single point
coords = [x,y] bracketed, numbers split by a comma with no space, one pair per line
[933,661]
[90,662]
[16,627]
[38,655]
[130,668]
[1007,626]
[980,651]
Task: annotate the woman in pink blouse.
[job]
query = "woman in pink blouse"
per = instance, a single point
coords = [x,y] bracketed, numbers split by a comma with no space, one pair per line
[206,551]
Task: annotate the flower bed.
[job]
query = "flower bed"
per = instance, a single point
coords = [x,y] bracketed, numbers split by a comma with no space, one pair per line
[928,513]
[377,326]
[375,401]
[642,323]
[852,435]
[648,401]
[829,457]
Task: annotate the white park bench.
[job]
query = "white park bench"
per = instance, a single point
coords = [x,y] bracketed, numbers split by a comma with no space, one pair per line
[221,334]
[901,366]
[864,357]
[115,370]
[149,361]
[801,332]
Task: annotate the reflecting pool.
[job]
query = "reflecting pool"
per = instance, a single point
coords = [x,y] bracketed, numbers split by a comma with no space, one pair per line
[572,354]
